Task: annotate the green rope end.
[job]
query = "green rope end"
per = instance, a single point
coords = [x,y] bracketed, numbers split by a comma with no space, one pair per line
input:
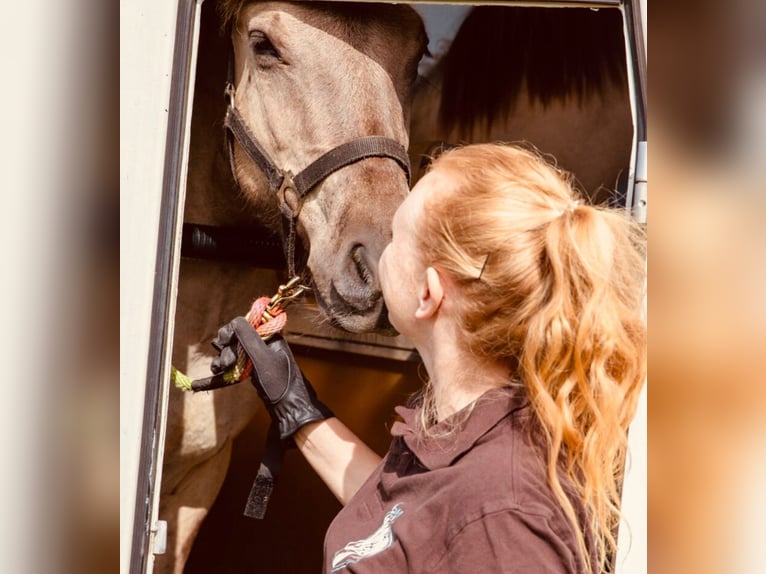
[181,381]
[233,375]
[184,382]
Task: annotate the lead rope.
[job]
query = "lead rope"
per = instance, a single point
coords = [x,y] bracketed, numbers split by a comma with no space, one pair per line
[268,317]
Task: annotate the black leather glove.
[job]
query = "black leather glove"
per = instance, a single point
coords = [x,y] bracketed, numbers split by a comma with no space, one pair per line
[287,394]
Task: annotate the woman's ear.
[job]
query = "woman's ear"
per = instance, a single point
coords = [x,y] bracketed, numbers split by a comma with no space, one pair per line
[431,295]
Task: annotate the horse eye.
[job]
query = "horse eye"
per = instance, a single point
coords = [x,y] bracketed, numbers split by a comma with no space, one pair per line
[262,46]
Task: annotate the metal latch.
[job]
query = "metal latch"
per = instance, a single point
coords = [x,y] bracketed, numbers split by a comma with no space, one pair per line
[639,186]
[160,531]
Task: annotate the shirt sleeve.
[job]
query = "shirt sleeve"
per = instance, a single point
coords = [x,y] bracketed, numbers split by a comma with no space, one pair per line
[508,542]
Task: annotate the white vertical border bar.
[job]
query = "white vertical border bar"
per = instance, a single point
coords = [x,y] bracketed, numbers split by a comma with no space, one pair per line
[157,62]
[632,540]
[633,534]
[171,307]
[629,51]
[146,58]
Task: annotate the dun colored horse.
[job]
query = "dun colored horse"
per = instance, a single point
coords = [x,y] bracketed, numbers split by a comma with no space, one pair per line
[307,78]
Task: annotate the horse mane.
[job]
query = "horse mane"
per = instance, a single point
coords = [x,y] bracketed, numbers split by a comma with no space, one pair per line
[551,53]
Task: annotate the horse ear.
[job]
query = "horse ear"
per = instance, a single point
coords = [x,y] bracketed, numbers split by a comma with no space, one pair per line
[431,295]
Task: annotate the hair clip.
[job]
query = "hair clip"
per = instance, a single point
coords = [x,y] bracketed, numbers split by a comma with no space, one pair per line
[483,267]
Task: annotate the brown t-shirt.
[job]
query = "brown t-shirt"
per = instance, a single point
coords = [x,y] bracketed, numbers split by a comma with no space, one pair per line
[475,502]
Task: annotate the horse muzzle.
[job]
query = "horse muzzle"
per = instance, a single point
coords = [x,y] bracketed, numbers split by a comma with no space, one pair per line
[351,297]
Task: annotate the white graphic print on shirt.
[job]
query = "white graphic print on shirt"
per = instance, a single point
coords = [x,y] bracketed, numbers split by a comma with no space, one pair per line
[375,543]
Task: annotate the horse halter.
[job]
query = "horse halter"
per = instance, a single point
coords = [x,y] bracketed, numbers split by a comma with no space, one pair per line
[292,189]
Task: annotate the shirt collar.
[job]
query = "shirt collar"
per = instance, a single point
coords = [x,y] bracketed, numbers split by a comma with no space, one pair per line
[440,452]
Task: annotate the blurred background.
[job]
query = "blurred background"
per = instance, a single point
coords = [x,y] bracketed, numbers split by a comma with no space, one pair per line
[60,239]
[707,270]
[707,282]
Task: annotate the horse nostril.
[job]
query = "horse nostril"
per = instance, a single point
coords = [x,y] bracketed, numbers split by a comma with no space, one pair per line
[361,264]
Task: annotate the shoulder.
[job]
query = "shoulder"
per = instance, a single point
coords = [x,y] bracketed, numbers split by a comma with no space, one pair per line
[507,540]
[505,466]
[502,505]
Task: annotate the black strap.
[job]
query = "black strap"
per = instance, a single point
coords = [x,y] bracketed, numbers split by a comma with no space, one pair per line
[254,151]
[348,153]
[263,486]
[335,159]
[211,383]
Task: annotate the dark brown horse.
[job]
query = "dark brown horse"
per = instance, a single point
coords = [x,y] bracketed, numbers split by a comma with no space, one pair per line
[553,77]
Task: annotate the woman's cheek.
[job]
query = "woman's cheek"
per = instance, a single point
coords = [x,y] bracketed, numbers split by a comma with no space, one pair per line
[383,266]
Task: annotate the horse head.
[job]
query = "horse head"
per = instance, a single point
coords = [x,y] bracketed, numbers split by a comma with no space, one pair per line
[309,77]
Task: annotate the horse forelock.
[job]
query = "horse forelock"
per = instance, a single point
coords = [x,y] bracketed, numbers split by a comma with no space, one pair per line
[372,29]
[228,10]
[348,20]
[502,53]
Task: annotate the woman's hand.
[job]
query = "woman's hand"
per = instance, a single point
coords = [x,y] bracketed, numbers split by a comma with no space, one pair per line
[287,394]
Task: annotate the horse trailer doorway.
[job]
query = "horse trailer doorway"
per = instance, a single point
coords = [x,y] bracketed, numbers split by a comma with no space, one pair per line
[369,373]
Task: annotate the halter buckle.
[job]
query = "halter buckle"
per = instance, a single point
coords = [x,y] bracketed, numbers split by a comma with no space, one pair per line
[229,93]
[289,200]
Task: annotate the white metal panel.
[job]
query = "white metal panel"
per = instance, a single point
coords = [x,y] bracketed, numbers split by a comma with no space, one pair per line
[146,54]
[632,543]
[632,539]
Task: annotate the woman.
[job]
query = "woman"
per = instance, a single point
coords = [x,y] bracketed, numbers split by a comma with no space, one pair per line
[526,308]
